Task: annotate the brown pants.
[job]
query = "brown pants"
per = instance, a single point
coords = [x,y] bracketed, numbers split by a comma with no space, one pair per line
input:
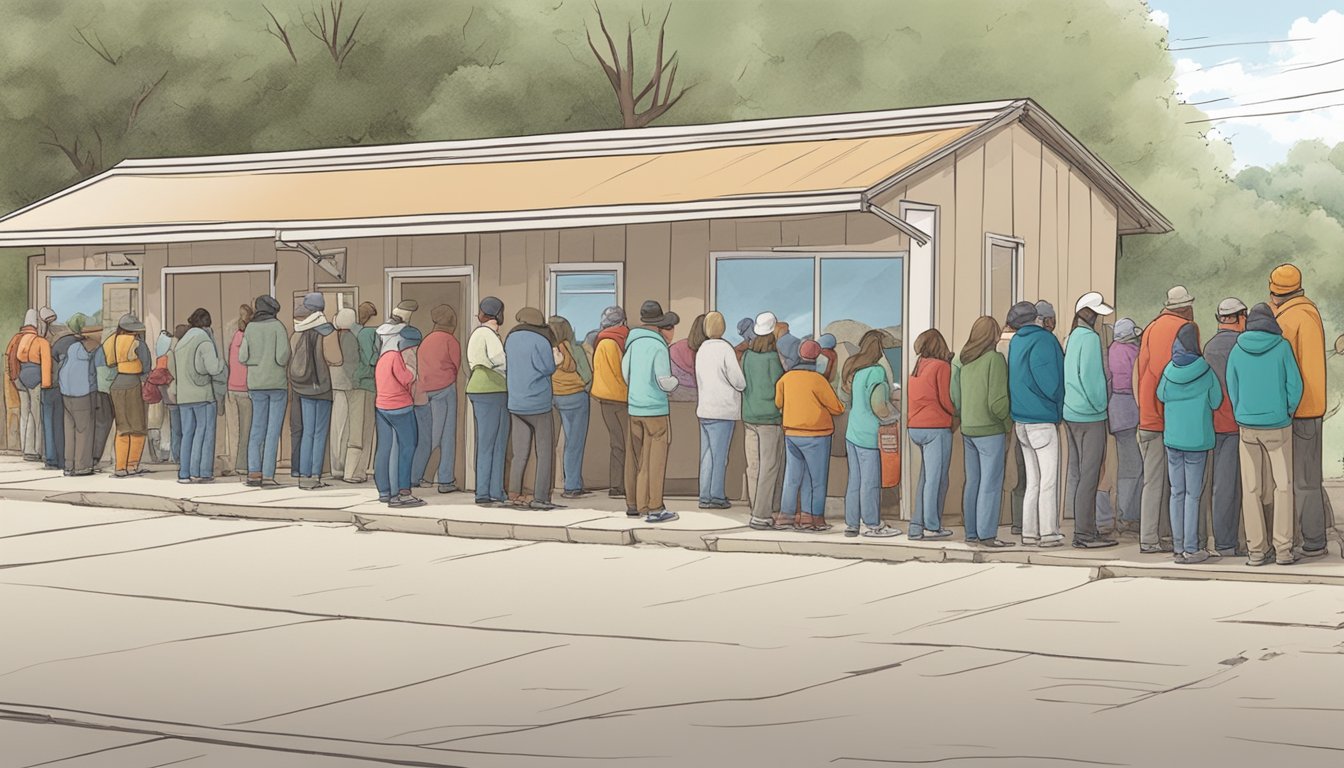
[646,462]
[615,415]
[1271,448]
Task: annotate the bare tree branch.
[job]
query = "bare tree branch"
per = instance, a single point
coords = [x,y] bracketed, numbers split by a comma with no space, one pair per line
[621,74]
[140,100]
[281,34]
[100,48]
[328,30]
[83,160]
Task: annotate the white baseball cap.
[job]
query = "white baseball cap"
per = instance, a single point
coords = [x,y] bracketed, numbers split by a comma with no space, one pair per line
[1092,300]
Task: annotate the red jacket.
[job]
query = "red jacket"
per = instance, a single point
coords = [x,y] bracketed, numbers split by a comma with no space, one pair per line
[930,393]
[1154,355]
[440,356]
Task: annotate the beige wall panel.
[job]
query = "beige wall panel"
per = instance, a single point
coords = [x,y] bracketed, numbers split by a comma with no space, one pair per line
[998,215]
[535,250]
[866,232]
[648,266]
[609,244]
[151,268]
[759,233]
[551,246]
[576,245]
[967,253]
[722,235]
[1103,246]
[824,231]
[1027,204]
[689,279]
[1080,242]
[512,273]
[1047,260]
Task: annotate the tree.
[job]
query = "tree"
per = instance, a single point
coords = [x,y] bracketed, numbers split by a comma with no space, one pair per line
[621,75]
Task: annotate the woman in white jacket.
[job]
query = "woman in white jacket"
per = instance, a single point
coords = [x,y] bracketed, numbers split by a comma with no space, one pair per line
[719,380]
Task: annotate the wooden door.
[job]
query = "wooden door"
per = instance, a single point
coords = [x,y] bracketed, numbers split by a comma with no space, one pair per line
[431,292]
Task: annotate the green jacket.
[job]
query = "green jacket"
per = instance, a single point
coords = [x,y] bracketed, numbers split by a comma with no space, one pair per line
[368,358]
[1084,377]
[980,394]
[1190,394]
[199,373]
[265,352]
[762,371]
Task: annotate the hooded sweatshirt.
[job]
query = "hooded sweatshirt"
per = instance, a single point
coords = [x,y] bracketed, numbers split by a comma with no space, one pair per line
[807,402]
[719,380]
[1216,352]
[647,369]
[1035,377]
[394,378]
[309,370]
[980,391]
[531,363]
[440,356]
[1190,392]
[197,368]
[1262,377]
[409,345]
[1084,377]
[1124,409]
[1300,321]
[608,381]
[762,371]
[265,348]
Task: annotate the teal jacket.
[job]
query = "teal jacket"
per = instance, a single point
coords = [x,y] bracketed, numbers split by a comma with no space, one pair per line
[861,429]
[1190,394]
[1084,377]
[1263,381]
[265,351]
[647,367]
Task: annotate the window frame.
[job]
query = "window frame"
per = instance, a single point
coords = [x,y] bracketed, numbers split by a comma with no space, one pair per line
[1019,248]
[616,268]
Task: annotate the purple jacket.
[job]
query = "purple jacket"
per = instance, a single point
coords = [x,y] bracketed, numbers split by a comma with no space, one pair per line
[1123,409]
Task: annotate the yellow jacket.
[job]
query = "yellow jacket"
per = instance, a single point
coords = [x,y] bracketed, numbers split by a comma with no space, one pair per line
[1301,324]
[608,382]
[566,379]
[808,403]
[120,351]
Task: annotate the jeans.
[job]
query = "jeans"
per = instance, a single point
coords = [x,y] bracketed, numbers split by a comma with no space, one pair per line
[1087,456]
[617,418]
[263,441]
[53,428]
[1186,472]
[424,430]
[1040,457]
[443,432]
[806,472]
[573,410]
[1226,491]
[174,434]
[981,497]
[198,440]
[528,431]
[864,488]
[394,427]
[715,437]
[492,436]
[1128,475]
[295,434]
[935,452]
[79,431]
[316,425]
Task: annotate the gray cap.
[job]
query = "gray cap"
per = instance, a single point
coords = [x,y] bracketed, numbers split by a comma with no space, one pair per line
[1022,314]
[492,307]
[1044,309]
[1126,329]
[315,301]
[1231,306]
[612,316]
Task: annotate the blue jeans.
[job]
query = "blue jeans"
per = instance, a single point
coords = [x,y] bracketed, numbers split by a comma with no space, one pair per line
[198,440]
[394,426]
[424,430]
[53,428]
[574,410]
[316,425]
[174,434]
[806,472]
[443,432]
[492,438]
[263,441]
[983,493]
[1186,471]
[864,488]
[715,437]
[935,451]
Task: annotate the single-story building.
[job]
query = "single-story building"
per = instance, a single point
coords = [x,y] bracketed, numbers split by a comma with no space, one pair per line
[903,219]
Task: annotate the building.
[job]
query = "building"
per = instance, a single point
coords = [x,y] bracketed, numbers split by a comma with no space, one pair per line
[901,219]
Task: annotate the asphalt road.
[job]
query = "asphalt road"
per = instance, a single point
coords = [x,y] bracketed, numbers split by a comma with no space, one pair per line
[141,640]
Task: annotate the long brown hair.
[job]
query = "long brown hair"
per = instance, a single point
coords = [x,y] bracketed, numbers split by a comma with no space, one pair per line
[763,343]
[697,336]
[930,345]
[984,337]
[870,353]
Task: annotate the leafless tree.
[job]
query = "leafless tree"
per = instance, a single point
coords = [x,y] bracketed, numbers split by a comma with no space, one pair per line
[281,34]
[622,75]
[99,47]
[85,160]
[140,99]
[326,27]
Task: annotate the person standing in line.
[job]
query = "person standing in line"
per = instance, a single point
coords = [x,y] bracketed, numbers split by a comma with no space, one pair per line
[169,418]
[60,352]
[29,364]
[404,311]
[1302,328]
[1020,315]
[395,412]
[809,407]
[933,410]
[199,381]
[1036,398]
[682,353]
[315,351]
[103,417]
[238,404]
[647,370]
[265,352]
[720,382]
[612,394]
[410,354]
[532,359]
[1085,409]
[789,346]
[1154,355]
[440,358]
[53,412]
[761,370]
[78,384]
[1045,313]
[1123,416]
[829,362]
[1226,490]
[979,393]
[1190,393]
[570,382]
[126,353]
[1266,389]
[347,400]
[745,329]
[487,390]
[369,346]
[867,394]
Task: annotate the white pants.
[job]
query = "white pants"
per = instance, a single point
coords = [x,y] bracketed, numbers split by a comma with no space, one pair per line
[1040,507]
[30,421]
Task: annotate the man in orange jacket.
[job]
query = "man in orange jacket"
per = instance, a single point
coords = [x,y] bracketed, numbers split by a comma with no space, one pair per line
[809,407]
[1154,355]
[28,365]
[1301,323]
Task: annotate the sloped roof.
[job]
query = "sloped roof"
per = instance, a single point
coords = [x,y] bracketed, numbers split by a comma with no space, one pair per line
[817,164]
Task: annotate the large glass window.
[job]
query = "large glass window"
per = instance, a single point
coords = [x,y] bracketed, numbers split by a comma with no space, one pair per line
[90,296]
[860,294]
[746,287]
[580,296]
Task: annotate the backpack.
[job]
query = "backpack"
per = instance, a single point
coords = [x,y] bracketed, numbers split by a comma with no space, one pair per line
[302,371]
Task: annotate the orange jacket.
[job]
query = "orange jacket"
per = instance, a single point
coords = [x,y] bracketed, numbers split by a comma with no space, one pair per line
[28,347]
[808,403]
[608,383]
[1154,354]
[1301,324]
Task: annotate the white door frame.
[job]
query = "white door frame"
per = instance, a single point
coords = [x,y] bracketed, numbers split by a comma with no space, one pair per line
[924,271]
[42,292]
[617,267]
[1019,247]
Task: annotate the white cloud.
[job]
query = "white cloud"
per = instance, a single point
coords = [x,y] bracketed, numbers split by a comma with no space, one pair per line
[1160,18]
[1255,95]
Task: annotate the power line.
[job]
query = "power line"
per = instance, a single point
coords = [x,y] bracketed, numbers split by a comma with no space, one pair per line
[1249,42]
[1264,114]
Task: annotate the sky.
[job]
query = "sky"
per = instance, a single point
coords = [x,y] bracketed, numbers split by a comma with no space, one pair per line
[1226,64]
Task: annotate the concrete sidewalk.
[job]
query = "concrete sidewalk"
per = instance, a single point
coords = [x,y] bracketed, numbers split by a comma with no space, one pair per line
[600,520]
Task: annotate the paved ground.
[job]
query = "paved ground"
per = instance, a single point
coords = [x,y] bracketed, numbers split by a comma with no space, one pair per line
[141,639]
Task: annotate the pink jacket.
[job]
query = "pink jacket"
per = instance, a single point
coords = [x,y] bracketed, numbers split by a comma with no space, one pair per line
[237,371]
[393,381]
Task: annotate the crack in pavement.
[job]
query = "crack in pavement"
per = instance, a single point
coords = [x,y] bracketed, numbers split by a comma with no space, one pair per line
[928,586]
[1263,605]
[1052,758]
[502,550]
[586,698]
[1289,624]
[993,608]
[982,666]
[177,762]
[1288,744]
[333,589]
[769,725]
[1042,654]
[1165,691]
[760,584]
[94,752]
[6,566]
[86,525]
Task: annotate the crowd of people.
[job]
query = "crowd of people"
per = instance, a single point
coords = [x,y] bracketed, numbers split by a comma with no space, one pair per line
[1233,426]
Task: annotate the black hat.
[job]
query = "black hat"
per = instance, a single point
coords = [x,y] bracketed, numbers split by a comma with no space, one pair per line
[1021,314]
[651,313]
[493,307]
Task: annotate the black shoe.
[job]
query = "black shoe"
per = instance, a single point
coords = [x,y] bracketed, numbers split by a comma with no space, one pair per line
[542,506]
[997,544]
[576,494]
[1097,543]
[632,513]
[616,493]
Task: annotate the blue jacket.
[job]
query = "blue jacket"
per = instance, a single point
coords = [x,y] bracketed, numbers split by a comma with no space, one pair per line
[530,362]
[1035,377]
[1190,394]
[1084,377]
[647,367]
[1263,381]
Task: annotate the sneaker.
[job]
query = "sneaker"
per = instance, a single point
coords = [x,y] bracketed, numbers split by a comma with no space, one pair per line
[721,504]
[1052,544]
[1259,562]
[405,500]
[184,481]
[204,480]
[1097,543]
[882,532]
[1232,552]
[1290,561]
[969,539]
[1304,552]
[351,480]
[632,513]
[1016,530]
[1214,554]
[384,499]
[661,516]
[761,525]
[941,533]
[851,532]
[1195,558]
[576,494]
[448,488]
[818,526]
[542,506]
[996,543]
[1030,542]
[270,482]
[1151,549]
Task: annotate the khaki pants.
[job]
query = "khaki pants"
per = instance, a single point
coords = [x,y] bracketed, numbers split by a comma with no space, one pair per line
[1272,448]
[1155,501]
[30,422]
[765,470]
[237,429]
[340,429]
[646,462]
